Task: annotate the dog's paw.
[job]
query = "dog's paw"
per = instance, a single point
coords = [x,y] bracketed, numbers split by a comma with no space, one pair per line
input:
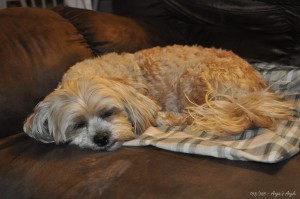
[172,119]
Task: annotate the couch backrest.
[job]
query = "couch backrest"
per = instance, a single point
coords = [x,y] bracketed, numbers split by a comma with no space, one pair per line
[261,30]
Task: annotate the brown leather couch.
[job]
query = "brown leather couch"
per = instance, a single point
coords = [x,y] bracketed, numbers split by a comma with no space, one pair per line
[38,45]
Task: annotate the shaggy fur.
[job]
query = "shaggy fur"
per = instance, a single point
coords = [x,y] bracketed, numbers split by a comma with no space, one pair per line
[104,101]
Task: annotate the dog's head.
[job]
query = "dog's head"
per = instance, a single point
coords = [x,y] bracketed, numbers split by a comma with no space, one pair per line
[92,112]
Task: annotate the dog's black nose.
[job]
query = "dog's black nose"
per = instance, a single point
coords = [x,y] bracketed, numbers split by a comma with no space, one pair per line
[101,139]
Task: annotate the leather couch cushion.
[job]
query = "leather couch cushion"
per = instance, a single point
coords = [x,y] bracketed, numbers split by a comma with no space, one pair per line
[39,45]
[106,32]
[37,170]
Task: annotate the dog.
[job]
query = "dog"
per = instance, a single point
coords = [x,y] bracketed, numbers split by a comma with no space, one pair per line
[104,101]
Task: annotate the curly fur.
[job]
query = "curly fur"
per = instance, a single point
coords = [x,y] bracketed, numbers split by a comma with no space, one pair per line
[212,89]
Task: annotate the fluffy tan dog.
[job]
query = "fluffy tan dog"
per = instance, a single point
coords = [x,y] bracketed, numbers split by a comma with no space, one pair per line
[104,101]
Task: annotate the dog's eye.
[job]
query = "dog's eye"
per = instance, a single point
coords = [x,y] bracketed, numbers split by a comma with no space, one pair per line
[108,113]
[80,125]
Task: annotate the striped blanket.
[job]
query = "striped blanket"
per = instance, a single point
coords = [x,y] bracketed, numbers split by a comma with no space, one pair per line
[261,145]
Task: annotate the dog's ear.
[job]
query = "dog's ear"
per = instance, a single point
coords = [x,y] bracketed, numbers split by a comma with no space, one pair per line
[37,124]
[141,110]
